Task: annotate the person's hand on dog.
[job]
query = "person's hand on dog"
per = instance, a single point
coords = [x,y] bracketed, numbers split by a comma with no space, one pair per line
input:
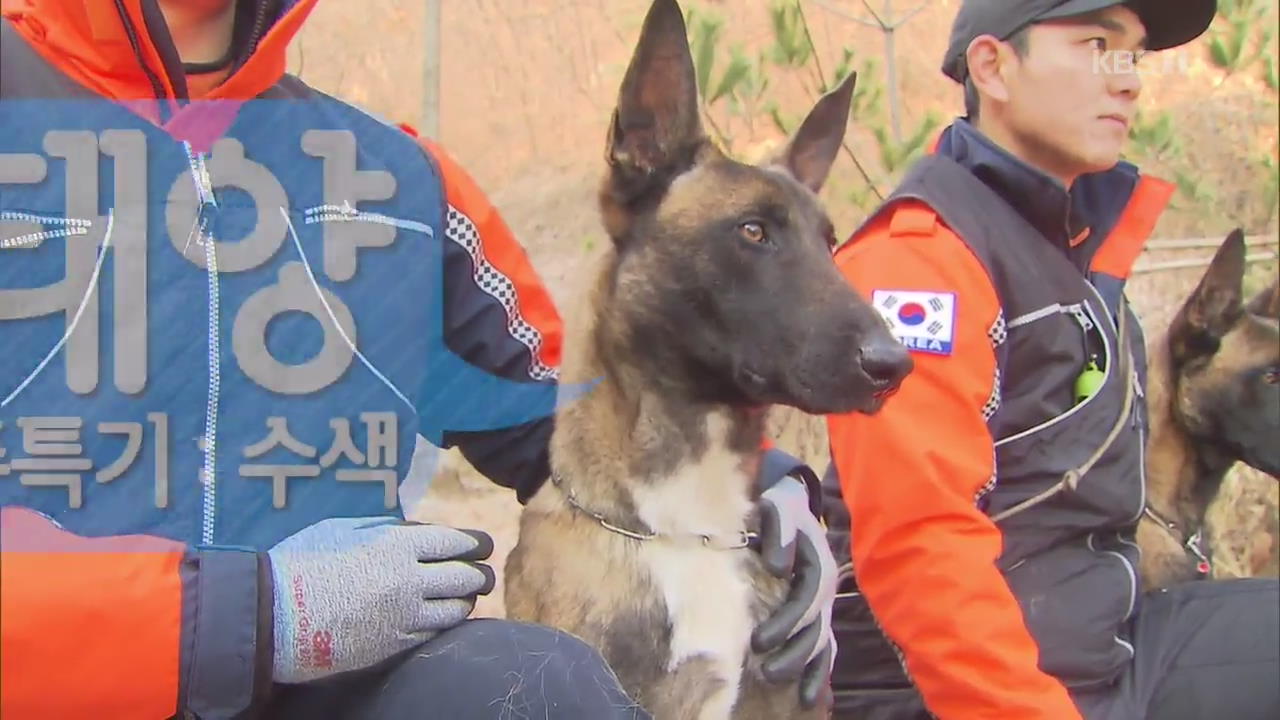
[351,592]
[793,544]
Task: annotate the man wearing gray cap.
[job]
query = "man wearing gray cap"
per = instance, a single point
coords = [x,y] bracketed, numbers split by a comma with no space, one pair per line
[992,503]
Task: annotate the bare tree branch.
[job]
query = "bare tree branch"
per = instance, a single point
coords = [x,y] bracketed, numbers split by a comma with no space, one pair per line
[813,50]
[715,128]
[863,171]
[837,10]
[910,14]
[883,25]
[891,72]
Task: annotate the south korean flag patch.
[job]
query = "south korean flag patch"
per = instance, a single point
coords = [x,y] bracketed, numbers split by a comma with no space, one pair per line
[923,321]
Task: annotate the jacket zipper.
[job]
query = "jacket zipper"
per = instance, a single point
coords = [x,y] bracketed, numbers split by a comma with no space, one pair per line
[66,227]
[1077,310]
[1142,445]
[1083,314]
[1040,314]
[1137,407]
[1087,326]
[255,34]
[240,52]
[131,32]
[209,487]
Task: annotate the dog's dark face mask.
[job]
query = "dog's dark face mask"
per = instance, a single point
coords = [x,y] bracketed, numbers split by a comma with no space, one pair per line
[724,279]
[1226,356]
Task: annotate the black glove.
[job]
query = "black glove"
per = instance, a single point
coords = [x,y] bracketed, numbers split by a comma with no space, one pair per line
[793,544]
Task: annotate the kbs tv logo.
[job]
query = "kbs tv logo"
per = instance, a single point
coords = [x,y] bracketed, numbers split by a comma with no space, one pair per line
[1123,62]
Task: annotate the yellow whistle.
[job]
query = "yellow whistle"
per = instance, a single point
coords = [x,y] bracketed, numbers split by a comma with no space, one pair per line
[1089,381]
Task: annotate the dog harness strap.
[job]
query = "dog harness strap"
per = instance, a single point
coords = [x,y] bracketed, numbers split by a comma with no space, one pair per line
[1191,544]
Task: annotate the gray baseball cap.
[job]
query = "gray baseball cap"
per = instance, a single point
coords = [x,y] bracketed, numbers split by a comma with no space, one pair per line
[1169,23]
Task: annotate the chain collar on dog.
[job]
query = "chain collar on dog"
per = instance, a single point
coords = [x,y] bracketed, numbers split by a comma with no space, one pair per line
[734,541]
[1191,544]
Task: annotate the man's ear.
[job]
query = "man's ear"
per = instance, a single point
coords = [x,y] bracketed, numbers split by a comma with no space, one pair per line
[1214,306]
[988,67]
[655,131]
[812,149]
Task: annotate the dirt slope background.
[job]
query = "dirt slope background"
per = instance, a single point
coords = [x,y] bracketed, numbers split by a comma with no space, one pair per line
[527,88]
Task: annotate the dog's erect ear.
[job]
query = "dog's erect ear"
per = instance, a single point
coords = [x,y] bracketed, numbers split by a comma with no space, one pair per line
[812,149]
[1267,302]
[656,130]
[1214,306]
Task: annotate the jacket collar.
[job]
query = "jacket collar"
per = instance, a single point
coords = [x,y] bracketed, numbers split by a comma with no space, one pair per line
[121,50]
[1101,224]
[1042,200]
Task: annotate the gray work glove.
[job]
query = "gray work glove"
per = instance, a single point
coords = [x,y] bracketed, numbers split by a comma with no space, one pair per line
[793,544]
[351,592]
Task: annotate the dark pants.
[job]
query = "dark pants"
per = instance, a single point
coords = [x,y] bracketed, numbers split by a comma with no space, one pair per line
[1202,651]
[483,669]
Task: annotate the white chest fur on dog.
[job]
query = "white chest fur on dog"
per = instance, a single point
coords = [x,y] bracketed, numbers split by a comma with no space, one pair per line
[706,590]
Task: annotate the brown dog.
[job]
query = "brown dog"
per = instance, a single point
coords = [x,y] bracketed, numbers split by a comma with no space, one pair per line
[1214,399]
[717,297]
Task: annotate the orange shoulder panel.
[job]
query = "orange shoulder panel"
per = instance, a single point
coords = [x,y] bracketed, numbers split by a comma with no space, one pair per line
[502,250]
[88,627]
[1121,248]
[923,552]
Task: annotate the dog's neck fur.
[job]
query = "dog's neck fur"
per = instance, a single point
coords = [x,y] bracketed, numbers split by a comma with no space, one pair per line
[647,441]
[1183,474]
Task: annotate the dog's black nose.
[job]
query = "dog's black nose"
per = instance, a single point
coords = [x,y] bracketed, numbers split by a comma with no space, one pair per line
[886,361]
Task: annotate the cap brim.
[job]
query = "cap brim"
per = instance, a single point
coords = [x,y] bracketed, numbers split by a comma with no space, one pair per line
[1072,8]
[1169,23]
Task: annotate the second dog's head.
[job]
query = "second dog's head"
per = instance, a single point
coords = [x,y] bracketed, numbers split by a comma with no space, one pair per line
[1226,365]
[723,284]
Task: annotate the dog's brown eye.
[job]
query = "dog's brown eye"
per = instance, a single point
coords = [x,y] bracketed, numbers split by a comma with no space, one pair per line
[752,232]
